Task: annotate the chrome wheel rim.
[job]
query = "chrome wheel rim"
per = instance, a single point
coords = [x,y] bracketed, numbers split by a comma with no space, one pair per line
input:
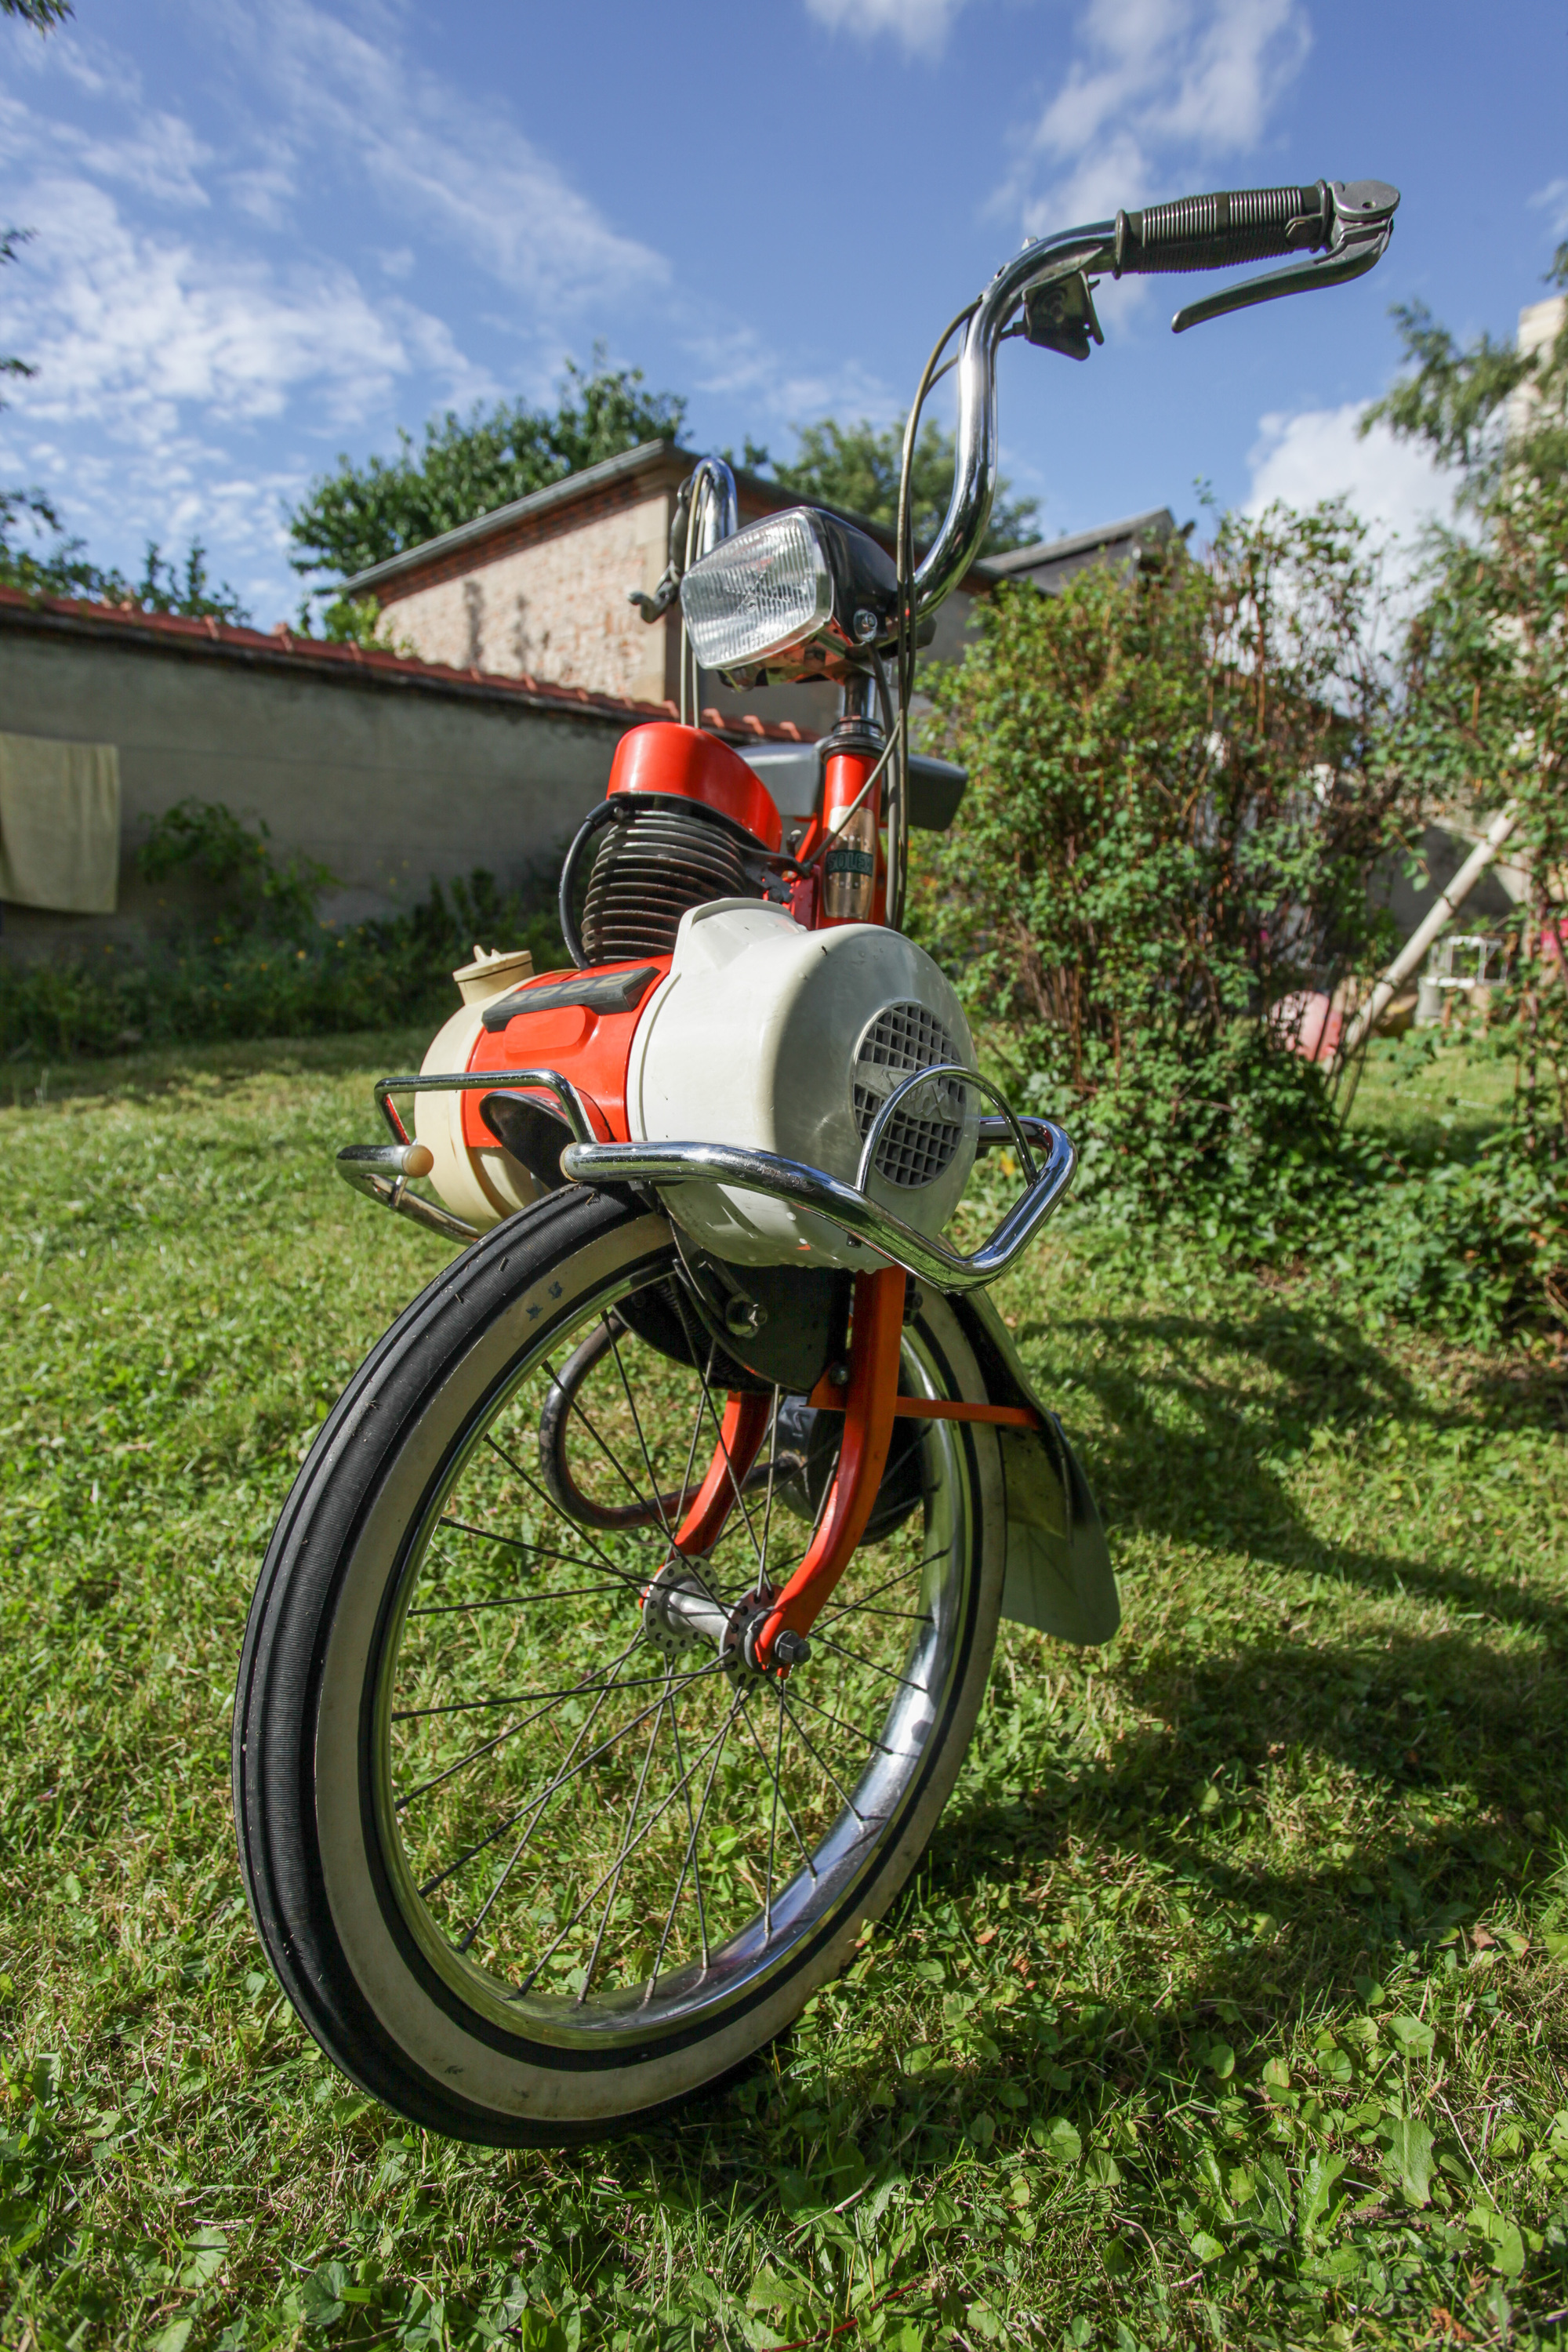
[594,1845]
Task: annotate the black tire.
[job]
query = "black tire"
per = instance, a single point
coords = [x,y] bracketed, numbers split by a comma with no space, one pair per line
[329,1748]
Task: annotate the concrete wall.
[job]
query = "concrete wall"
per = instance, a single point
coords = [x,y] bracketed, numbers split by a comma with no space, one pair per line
[388,785]
[558,609]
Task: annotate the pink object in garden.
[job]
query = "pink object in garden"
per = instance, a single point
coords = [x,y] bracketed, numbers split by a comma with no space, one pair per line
[1310,1023]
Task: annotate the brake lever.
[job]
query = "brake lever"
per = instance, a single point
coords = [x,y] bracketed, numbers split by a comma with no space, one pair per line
[1363,223]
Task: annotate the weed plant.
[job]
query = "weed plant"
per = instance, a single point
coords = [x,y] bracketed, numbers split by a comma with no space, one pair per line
[1228,2006]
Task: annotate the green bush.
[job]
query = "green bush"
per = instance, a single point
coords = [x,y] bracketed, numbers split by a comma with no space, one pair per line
[1181,785]
[265,966]
[1172,821]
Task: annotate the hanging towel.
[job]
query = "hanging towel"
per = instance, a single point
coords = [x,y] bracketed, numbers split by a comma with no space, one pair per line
[59,825]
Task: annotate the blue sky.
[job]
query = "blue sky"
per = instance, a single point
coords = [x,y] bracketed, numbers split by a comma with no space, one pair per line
[270,230]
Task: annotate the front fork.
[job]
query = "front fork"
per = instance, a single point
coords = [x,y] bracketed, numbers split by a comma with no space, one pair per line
[870,1403]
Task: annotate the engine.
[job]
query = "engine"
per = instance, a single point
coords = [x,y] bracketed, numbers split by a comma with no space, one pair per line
[789,1041]
[704,1010]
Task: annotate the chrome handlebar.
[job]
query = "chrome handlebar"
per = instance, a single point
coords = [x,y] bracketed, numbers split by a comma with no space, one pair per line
[968,516]
[1348,228]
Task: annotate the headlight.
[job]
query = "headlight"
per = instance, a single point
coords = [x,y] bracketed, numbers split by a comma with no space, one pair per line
[768,588]
[791,592]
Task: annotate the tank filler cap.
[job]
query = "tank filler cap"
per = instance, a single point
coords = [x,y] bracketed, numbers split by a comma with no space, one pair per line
[492,971]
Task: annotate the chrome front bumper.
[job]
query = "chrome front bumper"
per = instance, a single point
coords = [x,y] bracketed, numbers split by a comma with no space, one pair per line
[383,1170]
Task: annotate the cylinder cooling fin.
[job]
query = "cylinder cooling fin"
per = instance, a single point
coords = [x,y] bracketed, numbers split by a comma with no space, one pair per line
[650,867]
[684,821]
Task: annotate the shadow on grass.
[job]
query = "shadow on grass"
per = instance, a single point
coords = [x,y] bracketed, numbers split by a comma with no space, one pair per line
[1201,1417]
[1197,1448]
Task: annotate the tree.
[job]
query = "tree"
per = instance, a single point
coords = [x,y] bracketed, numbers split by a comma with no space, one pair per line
[66,569]
[1457,402]
[857,467]
[43,15]
[467,466]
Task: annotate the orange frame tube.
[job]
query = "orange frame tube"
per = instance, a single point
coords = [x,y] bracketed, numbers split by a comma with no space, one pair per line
[740,1434]
[875,1337]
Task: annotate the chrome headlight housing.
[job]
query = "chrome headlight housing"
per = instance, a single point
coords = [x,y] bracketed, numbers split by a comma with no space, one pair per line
[798,594]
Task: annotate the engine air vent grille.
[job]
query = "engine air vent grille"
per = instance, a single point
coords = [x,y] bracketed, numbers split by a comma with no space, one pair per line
[923,1134]
[646,873]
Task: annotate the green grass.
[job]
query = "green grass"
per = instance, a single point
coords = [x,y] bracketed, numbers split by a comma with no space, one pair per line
[1432,1100]
[1228,2006]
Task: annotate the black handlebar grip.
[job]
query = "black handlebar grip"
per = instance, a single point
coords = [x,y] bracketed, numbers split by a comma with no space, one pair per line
[1219,232]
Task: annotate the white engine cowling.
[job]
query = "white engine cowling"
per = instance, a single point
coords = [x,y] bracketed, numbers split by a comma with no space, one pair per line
[789,1041]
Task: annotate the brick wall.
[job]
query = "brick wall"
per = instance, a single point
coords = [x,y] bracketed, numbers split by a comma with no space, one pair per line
[554,608]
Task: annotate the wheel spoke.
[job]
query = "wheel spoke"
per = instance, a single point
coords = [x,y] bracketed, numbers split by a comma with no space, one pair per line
[780,1800]
[861,1609]
[870,1738]
[487,1747]
[555,1509]
[774,1811]
[568,1772]
[696,1869]
[539,1551]
[642,1441]
[730,1469]
[628,1481]
[649,1825]
[870,1664]
[625,1842]
[536,1809]
[888,1584]
[517,1599]
[579,1689]
[768,1506]
[805,1737]
[631,1824]
[688,1858]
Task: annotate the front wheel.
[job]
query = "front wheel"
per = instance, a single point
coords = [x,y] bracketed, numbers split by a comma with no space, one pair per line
[530,1858]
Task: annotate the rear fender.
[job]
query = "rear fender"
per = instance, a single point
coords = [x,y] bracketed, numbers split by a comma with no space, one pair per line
[1058,1576]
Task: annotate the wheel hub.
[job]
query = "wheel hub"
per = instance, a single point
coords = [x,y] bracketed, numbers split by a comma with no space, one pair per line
[680,1615]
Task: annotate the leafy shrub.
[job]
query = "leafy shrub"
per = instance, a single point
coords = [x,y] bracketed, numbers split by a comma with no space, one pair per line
[1172,821]
[235,860]
[1181,785]
[269,967]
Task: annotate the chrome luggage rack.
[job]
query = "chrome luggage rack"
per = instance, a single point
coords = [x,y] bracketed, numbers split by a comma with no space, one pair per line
[383,1170]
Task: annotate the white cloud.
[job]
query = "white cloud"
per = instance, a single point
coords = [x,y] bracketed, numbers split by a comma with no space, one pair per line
[131,328]
[459,170]
[185,380]
[1318,454]
[920,25]
[1553,200]
[156,155]
[737,364]
[1156,84]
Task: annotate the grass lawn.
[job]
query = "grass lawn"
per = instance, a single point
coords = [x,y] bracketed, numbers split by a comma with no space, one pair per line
[1426,1099]
[1230,2003]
